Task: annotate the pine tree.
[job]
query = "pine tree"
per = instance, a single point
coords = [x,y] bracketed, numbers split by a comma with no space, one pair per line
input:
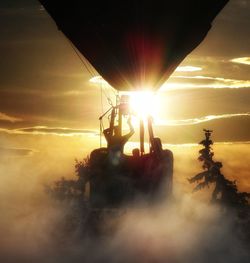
[225,191]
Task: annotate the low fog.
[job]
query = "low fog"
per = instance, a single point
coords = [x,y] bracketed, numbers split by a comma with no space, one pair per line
[188,229]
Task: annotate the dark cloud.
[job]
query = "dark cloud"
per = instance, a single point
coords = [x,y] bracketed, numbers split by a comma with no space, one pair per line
[225,130]
[204,119]
[177,106]
[195,103]
[8,118]
[228,127]
[18,4]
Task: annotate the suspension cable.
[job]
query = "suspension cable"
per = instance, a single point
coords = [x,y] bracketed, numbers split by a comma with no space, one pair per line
[92,73]
[84,62]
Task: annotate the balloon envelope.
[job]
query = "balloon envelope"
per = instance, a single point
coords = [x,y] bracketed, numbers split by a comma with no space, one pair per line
[134,44]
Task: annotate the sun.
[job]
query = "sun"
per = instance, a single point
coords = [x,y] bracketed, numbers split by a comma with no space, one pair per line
[144,104]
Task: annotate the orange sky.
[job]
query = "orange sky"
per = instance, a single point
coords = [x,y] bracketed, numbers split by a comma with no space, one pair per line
[46,95]
[43,83]
[49,113]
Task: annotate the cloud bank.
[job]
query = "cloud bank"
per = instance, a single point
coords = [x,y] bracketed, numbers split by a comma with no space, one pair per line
[44,130]
[194,82]
[243,60]
[8,118]
[199,120]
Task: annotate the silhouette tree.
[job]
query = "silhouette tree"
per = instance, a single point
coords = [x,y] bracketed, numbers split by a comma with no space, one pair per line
[69,189]
[82,170]
[225,192]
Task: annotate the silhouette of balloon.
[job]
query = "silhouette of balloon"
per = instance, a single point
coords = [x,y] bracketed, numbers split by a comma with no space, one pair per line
[134,44]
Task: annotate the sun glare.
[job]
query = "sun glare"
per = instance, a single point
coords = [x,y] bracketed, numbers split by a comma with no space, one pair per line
[144,104]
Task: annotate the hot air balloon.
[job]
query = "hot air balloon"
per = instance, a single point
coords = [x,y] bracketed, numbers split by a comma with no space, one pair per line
[134,45]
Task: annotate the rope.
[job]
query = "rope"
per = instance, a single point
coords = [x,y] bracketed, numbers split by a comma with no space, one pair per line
[100,133]
[84,62]
[101,90]
[92,73]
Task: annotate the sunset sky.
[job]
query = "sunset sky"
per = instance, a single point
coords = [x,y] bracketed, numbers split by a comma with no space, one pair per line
[43,82]
[49,110]
[48,100]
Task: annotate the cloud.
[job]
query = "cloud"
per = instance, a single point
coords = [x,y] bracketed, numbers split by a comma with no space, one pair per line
[20,9]
[44,130]
[13,152]
[191,82]
[63,74]
[62,131]
[41,8]
[242,3]
[5,117]
[243,60]
[99,79]
[188,69]
[199,120]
